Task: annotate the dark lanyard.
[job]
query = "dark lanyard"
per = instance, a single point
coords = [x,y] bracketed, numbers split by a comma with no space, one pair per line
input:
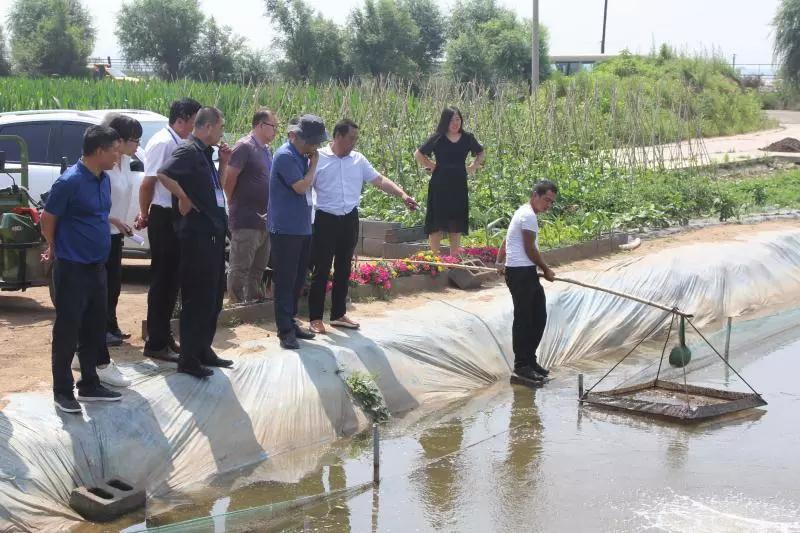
[173,136]
[214,173]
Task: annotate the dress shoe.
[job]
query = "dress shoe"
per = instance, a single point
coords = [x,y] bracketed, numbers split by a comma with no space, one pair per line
[303,333]
[540,370]
[195,370]
[113,340]
[289,342]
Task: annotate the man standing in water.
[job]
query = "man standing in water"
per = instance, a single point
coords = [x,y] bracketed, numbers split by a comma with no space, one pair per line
[518,258]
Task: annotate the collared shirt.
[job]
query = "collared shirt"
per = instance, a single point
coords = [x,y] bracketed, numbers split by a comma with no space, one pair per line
[158,149]
[192,167]
[122,181]
[339,180]
[288,213]
[250,196]
[81,201]
[524,219]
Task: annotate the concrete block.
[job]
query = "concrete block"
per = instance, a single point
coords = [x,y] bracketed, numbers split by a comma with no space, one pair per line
[369,247]
[108,501]
[376,229]
[586,250]
[403,249]
[469,279]
[412,234]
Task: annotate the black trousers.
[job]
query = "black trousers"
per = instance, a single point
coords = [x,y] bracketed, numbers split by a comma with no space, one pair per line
[114,271]
[81,300]
[290,255]
[530,313]
[202,283]
[333,242]
[164,269]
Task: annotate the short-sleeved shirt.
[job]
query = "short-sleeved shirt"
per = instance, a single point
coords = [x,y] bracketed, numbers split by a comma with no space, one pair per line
[339,180]
[288,213]
[192,167]
[524,219]
[122,180]
[250,196]
[451,156]
[81,201]
[158,149]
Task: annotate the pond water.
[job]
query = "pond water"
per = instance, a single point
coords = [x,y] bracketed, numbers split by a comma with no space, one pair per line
[514,459]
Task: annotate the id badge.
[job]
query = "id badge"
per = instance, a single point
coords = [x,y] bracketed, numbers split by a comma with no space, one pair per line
[220,197]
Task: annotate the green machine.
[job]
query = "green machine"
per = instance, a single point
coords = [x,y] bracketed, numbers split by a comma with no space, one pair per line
[21,242]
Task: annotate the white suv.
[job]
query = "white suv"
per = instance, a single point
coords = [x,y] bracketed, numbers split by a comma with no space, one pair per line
[56,136]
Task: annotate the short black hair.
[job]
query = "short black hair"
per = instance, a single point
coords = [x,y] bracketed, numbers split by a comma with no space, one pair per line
[261,115]
[542,187]
[207,115]
[184,108]
[127,127]
[343,127]
[98,138]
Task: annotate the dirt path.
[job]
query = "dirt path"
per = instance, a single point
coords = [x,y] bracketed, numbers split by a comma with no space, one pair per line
[26,318]
[726,149]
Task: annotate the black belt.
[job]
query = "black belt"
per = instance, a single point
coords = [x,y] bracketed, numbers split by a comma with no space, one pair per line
[351,213]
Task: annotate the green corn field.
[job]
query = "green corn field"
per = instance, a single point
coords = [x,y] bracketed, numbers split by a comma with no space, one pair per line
[586,133]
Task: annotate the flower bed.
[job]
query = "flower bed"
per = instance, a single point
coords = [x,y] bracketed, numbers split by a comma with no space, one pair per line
[377,279]
[487,254]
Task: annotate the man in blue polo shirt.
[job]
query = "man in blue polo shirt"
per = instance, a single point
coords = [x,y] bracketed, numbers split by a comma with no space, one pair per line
[75,224]
[289,221]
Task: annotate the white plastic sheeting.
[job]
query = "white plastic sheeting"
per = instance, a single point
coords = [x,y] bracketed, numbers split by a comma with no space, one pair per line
[711,281]
[171,431]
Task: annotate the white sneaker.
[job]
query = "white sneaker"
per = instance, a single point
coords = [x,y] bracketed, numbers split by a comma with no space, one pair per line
[110,375]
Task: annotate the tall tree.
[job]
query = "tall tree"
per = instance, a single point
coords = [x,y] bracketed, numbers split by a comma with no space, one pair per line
[385,39]
[312,45]
[254,66]
[469,14]
[50,37]
[164,31]
[5,67]
[787,39]
[215,54]
[431,24]
[491,44]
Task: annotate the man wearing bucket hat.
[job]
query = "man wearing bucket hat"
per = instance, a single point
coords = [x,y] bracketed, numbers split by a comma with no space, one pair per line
[289,221]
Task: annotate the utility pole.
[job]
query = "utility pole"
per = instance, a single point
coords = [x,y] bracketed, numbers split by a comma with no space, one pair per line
[605,16]
[535,48]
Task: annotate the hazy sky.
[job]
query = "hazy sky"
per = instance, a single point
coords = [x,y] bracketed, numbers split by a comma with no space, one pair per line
[740,27]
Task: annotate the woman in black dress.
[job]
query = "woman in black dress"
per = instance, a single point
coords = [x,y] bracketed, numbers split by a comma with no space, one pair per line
[448,198]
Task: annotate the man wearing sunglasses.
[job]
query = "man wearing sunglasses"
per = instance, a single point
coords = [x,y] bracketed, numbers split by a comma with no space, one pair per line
[246,184]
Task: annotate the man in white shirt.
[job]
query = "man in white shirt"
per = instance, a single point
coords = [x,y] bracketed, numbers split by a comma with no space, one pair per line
[341,174]
[156,214]
[518,258]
